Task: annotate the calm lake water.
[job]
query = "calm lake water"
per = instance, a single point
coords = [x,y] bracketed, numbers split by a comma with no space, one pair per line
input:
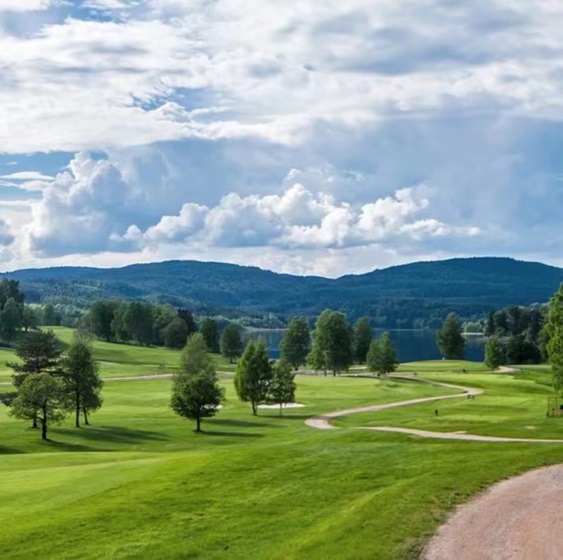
[411,345]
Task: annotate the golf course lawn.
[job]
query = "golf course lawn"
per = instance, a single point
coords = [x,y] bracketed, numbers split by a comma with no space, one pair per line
[139,483]
[119,360]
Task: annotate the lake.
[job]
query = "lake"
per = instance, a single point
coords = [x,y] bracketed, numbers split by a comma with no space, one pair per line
[411,345]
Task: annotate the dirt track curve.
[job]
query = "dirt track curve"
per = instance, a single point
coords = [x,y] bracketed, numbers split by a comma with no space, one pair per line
[517,519]
[323,422]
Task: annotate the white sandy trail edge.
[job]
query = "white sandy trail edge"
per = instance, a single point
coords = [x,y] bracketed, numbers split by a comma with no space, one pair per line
[323,422]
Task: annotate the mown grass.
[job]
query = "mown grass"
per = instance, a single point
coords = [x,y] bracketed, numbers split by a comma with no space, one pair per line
[139,483]
[514,405]
[120,360]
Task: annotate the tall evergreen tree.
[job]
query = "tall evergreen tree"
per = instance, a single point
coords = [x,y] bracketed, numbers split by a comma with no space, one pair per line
[363,336]
[196,393]
[253,375]
[39,352]
[450,339]
[187,316]
[296,343]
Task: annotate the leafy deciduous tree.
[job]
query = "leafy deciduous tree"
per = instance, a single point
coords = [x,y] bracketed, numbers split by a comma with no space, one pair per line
[253,375]
[554,345]
[42,397]
[282,384]
[363,335]
[196,393]
[382,357]
[332,342]
[494,353]
[82,380]
[296,343]
[10,320]
[210,331]
[231,342]
[175,334]
[450,339]
[138,321]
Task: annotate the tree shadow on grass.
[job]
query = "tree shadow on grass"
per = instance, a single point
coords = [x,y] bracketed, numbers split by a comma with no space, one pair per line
[115,434]
[230,434]
[294,416]
[241,423]
[10,451]
[65,446]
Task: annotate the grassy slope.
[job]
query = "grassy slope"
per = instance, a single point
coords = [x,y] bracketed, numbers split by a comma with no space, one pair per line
[141,484]
[512,406]
[119,360]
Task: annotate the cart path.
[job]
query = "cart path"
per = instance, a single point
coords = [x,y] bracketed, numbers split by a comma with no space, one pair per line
[323,422]
[517,519]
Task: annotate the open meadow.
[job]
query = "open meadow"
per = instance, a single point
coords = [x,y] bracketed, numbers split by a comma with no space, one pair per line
[139,483]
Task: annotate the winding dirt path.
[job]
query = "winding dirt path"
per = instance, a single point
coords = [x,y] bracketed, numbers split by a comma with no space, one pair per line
[518,519]
[323,422]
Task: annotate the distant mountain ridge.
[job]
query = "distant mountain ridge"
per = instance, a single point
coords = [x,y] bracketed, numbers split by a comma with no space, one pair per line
[405,296]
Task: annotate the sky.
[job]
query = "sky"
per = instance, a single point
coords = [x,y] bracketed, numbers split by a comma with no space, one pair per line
[300,136]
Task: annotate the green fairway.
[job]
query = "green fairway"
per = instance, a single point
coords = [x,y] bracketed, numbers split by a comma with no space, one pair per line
[514,405]
[120,360]
[139,483]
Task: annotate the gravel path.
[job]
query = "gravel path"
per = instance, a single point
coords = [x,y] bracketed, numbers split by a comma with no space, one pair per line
[518,519]
[323,422]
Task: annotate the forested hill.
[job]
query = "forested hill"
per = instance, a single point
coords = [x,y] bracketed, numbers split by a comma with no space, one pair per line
[412,295]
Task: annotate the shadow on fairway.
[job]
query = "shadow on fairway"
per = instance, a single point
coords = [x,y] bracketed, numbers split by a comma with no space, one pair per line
[242,423]
[65,446]
[231,434]
[116,434]
[10,451]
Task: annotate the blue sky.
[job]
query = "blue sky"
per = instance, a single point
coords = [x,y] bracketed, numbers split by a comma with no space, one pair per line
[306,137]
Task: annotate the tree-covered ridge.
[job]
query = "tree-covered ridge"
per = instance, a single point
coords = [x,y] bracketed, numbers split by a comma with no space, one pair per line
[408,296]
